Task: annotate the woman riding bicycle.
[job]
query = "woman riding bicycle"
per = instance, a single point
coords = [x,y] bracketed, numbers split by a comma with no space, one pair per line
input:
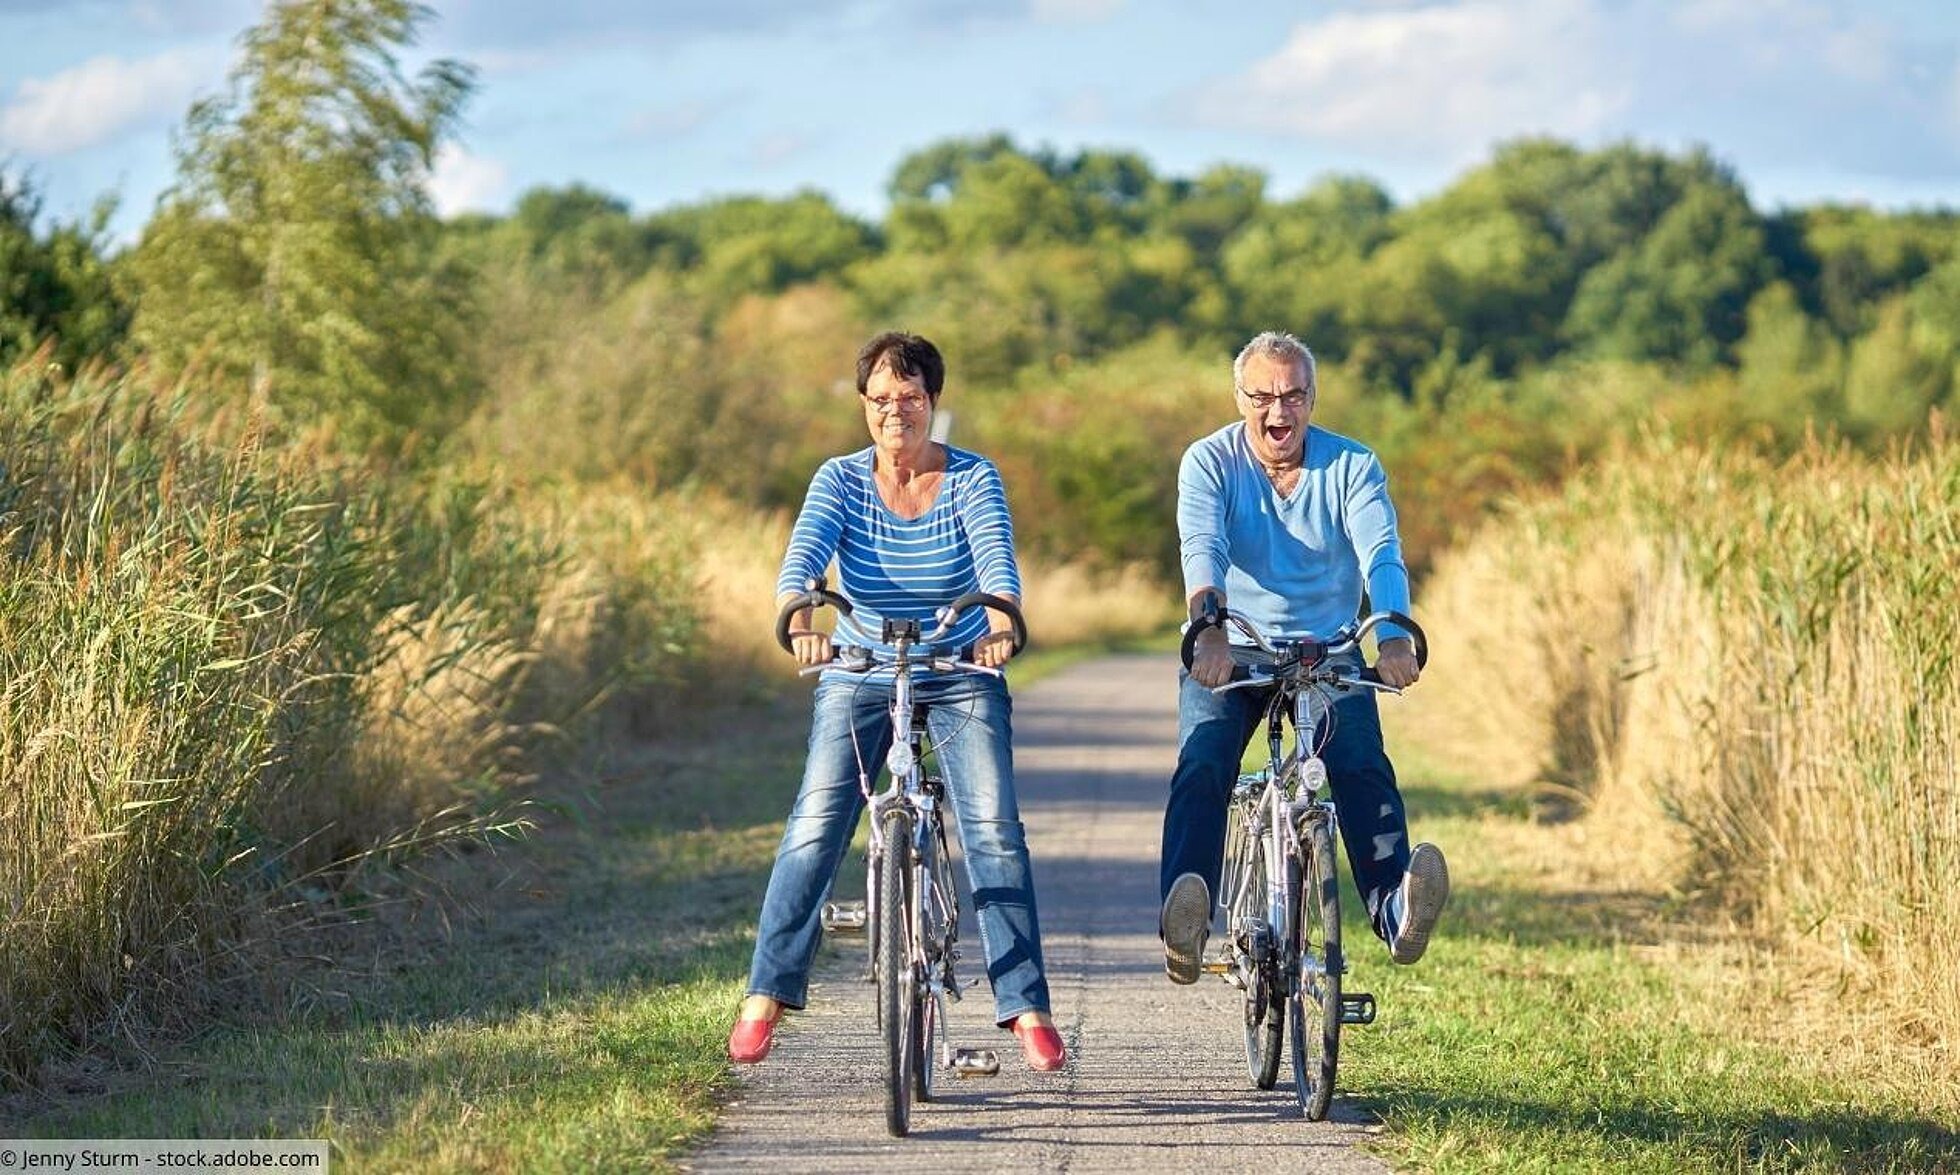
[913,525]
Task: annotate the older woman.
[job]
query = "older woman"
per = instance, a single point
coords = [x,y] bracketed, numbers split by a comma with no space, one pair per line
[914,525]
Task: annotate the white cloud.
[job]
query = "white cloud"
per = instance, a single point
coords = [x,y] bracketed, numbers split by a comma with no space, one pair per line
[776,149]
[1953,107]
[103,98]
[1769,83]
[194,16]
[1433,81]
[676,120]
[462,182]
[1074,11]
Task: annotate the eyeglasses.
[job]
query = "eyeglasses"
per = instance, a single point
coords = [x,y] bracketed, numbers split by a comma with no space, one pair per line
[884,404]
[1295,398]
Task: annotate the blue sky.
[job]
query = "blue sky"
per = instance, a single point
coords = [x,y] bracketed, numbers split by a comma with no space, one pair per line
[673,101]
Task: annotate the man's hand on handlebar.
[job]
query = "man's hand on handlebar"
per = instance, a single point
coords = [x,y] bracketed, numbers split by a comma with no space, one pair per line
[1396,662]
[1211,659]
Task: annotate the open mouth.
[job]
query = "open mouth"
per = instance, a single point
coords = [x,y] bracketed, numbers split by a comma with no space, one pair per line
[1279,434]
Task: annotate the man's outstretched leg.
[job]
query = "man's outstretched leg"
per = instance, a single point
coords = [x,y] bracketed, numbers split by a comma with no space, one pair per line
[1212,733]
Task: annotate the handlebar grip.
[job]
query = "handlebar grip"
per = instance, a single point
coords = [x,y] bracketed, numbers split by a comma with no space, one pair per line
[1005,607]
[1213,617]
[1411,627]
[815,597]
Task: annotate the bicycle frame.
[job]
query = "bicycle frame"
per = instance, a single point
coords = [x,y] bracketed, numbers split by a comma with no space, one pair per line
[916,979]
[933,921]
[1282,951]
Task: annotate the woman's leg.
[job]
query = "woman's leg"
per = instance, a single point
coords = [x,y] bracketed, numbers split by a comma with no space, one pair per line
[817,835]
[971,719]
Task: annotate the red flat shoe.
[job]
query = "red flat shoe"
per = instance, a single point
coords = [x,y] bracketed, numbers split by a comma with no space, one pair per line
[1042,1046]
[749,1042]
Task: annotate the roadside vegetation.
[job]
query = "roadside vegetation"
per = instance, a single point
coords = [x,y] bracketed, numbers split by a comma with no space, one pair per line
[1741,671]
[344,541]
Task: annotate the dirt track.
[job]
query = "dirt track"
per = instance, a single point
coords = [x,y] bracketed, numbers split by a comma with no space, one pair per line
[1156,1078]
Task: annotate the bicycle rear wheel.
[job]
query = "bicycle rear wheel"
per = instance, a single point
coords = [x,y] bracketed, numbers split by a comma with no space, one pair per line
[1314,1005]
[1258,939]
[897,986]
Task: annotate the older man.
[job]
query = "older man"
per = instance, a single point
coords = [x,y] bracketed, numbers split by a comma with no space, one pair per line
[1290,524]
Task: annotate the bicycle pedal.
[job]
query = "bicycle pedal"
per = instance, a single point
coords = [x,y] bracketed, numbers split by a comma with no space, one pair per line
[843,917]
[1357,1008]
[975,1062]
[1215,967]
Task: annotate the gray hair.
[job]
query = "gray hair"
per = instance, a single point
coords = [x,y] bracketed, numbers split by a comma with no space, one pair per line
[1278,345]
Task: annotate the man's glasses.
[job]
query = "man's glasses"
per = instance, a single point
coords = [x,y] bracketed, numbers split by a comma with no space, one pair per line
[883,405]
[1295,399]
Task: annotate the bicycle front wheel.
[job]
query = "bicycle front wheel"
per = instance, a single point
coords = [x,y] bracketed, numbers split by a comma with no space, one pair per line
[1314,1006]
[1258,925]
[896,983]
[936,918]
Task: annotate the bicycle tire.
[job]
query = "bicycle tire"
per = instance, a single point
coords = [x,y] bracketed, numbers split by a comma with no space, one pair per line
[1314,1005]
[930,876]
[1265,997]
[894,969]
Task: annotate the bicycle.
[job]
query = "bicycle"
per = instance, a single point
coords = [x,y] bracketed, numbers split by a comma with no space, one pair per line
[1282,940]
[911,906]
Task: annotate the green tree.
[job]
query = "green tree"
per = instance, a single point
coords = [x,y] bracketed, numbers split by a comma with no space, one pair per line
[1682,294]
[752,245]
[55,286]
[1791,367]
[1293,266]
[294,258]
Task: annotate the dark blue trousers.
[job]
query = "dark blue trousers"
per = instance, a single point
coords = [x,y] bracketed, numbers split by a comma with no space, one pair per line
[1213,730]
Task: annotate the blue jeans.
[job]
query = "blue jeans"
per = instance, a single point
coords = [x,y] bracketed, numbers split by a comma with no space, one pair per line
[1213,730]
[971,721]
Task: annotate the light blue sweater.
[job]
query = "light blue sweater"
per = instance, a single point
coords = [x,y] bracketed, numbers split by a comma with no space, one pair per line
[1295,566]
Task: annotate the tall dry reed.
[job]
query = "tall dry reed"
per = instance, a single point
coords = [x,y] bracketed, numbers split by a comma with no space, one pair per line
[1746,672]
[233,676]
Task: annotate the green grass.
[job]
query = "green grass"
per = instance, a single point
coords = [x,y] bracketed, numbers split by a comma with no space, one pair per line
[577,1022]
[1559,1028]
[574,1022]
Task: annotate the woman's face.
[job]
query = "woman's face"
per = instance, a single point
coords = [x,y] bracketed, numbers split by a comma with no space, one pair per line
[898,413]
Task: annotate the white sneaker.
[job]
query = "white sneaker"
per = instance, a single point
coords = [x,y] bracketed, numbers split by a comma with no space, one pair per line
[1186,923]
[1425,889]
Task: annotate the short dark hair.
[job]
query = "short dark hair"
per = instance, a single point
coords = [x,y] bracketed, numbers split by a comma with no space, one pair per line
[909,356]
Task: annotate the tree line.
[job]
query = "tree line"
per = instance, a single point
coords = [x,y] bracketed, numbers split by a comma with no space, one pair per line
[1539,303]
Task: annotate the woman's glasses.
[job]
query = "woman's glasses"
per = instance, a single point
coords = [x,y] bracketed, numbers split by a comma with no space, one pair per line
[883,405]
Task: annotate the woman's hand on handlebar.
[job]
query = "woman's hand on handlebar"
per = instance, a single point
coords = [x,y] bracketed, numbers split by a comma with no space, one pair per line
[806,644]
[993,650]
[812,648]
[1396,663]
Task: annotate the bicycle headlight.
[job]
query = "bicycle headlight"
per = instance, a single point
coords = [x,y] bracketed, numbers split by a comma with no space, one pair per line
[899,761]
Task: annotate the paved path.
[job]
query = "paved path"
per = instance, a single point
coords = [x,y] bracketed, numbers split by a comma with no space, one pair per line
[1156,1078]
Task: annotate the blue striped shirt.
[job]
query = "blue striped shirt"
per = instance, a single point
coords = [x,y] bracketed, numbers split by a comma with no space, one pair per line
[905,569]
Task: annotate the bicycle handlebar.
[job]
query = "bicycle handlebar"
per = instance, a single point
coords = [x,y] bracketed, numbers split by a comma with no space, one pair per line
[1307,653]
[816,595]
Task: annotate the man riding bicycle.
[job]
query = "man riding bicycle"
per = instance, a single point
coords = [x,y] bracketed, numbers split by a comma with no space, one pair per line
[1291,524]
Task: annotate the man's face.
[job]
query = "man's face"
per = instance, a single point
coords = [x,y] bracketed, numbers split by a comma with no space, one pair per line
[1279,428]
